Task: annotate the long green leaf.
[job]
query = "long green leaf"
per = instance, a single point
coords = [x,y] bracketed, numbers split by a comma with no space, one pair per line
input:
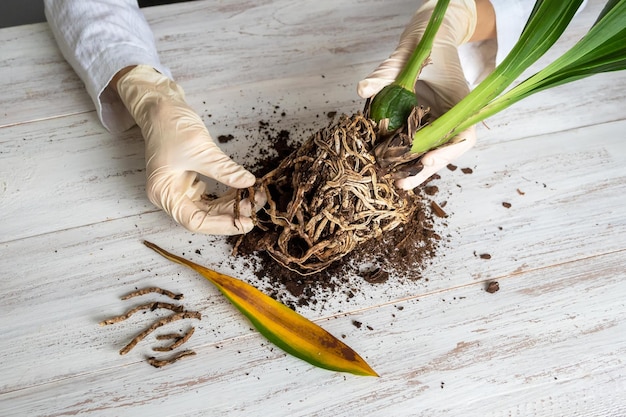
[547,22]
[602,49]
[282,326]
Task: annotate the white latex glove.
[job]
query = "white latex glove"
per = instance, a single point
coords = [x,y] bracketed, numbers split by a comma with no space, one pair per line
[178,148]
[441,84]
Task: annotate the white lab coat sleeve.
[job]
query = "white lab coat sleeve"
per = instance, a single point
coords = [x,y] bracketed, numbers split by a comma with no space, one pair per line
[98,38]
[478,59]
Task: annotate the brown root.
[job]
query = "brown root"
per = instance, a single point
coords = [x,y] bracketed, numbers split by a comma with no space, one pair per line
[159,323]
[159,363]
[330,196]
[178,341]
[149,290]
[148,306]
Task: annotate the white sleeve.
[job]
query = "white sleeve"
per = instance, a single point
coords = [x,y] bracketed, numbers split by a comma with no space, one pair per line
[98,38]
[480,58]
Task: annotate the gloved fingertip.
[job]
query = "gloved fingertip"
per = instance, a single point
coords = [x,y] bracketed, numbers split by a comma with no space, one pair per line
[409,183]
[246,225]
[260,199]
[248,180]
[428,160]
[239,226]
[222,224]
[242,178]
[368,87]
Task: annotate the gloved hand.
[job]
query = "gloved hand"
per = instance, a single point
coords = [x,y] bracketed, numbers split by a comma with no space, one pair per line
[178,148]
[440,85]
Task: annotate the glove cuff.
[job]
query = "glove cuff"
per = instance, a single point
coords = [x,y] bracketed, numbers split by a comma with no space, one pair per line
[143,86]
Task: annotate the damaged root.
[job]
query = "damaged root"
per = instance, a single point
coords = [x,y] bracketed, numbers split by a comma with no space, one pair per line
[149,290]
[159,323]
[159,363]
[178,342]
[148,306]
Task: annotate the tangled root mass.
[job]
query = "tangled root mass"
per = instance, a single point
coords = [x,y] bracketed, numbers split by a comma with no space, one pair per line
[328,197]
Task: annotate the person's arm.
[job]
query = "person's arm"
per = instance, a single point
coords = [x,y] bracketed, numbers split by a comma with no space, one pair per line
[99,38]
[111,47]
[485,22]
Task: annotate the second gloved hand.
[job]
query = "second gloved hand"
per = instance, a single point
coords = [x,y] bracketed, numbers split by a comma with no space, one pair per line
[178,148]
[440,85]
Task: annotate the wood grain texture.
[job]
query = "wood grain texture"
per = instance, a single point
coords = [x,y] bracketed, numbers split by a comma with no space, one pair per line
[551,342]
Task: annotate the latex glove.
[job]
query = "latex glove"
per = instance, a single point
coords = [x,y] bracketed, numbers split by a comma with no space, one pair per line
[441,84]
[178,148]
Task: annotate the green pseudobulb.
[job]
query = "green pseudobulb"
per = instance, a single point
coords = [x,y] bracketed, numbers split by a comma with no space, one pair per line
[394,103]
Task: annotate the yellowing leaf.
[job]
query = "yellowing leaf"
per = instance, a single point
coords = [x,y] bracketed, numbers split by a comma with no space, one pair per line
[282,326]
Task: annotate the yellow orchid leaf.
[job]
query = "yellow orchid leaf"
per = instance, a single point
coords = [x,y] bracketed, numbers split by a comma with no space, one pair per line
[282,326]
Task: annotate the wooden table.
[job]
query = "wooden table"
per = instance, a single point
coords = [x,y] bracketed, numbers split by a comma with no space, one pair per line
[551,342]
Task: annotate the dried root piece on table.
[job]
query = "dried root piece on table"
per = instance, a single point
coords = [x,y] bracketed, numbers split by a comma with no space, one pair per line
[328,197]
[149,290]
[179,340]
[159,323]
[159,363]
[148,306]
[168,336]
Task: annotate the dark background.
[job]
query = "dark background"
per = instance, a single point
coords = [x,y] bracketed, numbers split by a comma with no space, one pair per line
[22,12]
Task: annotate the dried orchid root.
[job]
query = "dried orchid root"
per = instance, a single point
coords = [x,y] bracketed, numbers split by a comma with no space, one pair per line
[157,290]
[148,306]
[340,197]
[168,336]
[159,363]
[180,340]
[159,323]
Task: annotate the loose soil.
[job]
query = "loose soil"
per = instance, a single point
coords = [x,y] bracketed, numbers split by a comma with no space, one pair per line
[400,254]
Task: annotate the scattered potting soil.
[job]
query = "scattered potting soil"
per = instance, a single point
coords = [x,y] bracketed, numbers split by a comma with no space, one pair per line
[225,138]
[400,254]
[492,287]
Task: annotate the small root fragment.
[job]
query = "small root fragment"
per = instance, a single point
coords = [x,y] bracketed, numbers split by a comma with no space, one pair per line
[157,290]
[439,212]
[178,342]
[159,363]
[159,323]
[148,306]
[168,336]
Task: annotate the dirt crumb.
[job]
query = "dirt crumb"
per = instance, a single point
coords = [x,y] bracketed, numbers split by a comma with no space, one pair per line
[492,287]
[467,170]
[225,138]
[506,205]
[431,189]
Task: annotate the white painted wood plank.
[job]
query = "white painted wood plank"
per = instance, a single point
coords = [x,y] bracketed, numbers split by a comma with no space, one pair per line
[86,267]
[74,215]
[458,352]
[234,44]
[217,44]
[84,169]
[84,176]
